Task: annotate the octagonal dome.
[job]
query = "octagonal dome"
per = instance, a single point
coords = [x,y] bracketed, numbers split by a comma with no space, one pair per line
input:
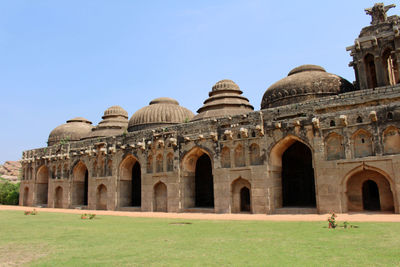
[160,112]
[115,122]
[225,99]
[75,129]
[304,83]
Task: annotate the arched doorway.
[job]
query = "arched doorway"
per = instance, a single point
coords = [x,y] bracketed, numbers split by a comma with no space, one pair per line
[370,194]
[298,186]
[198,182]
[369,190]
[241,196]
[204,184]
[42,182]
[245,199]
[160,197]
[80,185]
[25,201]
[130,183]
[101,203]
[58,197]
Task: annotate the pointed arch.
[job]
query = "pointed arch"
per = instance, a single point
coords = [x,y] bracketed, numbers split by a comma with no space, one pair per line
[369,62]
[159,163]
[101,197]
[80,184]
[42,185]
[334,148]
[390,66]
[160,197]
[254,153]
[362,143]
[58,197]
[170,162]
[241,196]
[353,198]
[391,140]
[225,157]
[198,182]
[291,167]
[239,156]
[130,182]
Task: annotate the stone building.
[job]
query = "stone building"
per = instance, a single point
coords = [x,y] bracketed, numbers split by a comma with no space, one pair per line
[318,144]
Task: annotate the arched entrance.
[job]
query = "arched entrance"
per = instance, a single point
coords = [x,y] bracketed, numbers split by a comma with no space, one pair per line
[80,185]
[42,182]
[25,197]
[130,183]
[370,195]
[58,197]
[204,184]
[160,197]
[298,186]
[369,190]
[101,203]
[241,196]
[245,199]
[198,182]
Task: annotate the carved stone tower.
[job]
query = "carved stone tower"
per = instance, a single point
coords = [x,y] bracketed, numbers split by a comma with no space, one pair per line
[376,51]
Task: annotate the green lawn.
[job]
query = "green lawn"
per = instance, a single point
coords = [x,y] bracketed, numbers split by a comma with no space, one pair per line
[50,239]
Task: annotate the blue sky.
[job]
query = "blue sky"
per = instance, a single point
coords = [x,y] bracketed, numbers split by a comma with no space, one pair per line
[63,59]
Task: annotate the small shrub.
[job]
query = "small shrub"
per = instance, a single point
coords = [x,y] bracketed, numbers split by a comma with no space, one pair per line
[332,221]
[87,216]
[31,212]
[9,193]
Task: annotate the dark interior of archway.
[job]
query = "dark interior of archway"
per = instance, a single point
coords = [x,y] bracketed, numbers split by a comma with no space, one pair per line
[370,195]
[136,185]
[371,73]
[298,187]
[204,185]
[86,188]
[244,199]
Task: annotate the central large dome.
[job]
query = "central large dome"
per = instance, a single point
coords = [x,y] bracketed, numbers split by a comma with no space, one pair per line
[304,83]
[160,112]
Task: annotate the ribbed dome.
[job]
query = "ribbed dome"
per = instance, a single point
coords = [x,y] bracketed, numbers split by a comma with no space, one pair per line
[115,122]
[224,99]
[75,129]
[161,111]
[304,83]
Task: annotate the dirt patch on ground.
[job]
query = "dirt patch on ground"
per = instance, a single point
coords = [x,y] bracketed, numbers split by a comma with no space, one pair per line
[351,217]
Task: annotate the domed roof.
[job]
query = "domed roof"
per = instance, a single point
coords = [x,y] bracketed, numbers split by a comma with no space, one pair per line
[115,122]
[224,99]
[161,111]
[75,129]
[304,83]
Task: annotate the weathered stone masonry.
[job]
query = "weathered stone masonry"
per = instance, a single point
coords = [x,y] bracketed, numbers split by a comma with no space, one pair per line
[319,144]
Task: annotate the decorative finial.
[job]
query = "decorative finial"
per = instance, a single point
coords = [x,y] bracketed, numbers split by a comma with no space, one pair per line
[378,12]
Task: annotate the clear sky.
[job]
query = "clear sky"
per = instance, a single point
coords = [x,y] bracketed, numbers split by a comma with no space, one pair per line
[68,58]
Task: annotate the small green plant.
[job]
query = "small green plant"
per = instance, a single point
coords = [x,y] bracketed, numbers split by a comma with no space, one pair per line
[125,133]
[186,120]
[88,216]
[31,212]
[332,221]
[64,140]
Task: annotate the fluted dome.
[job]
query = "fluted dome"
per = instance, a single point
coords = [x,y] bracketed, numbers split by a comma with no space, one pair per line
[224,99]
[304,83]
[74,130]
[161,111]
[115,122]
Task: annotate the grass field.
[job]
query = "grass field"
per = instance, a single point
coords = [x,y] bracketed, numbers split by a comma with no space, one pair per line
[55,239]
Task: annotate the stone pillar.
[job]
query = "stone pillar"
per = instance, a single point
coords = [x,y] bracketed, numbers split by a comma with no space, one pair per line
[362,74]
[380,71]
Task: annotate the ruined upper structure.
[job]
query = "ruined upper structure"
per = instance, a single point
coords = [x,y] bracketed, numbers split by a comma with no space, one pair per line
[376,52]
[318,145]
[225,99]
[303,83]
[161,111]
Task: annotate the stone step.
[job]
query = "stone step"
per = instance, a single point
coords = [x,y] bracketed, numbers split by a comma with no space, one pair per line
[296,210]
